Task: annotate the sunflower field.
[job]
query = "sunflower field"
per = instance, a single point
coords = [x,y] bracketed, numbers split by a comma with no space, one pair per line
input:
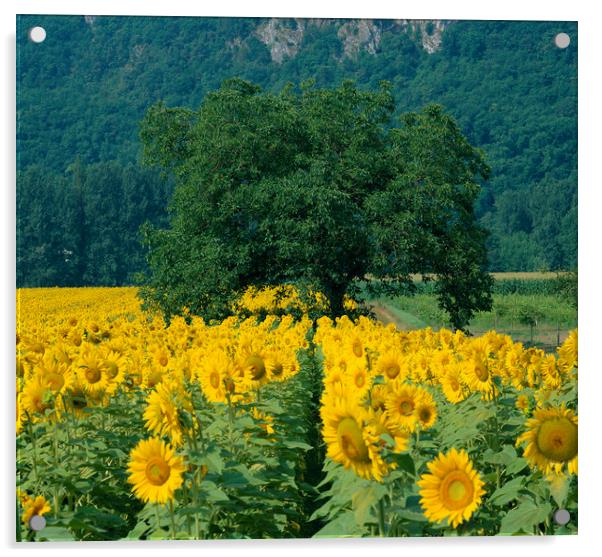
[272,424]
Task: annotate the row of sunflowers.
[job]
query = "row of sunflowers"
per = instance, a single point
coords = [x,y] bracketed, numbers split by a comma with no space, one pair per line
[128,427]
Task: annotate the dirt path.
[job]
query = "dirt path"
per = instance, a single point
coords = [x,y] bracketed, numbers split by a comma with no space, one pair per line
[386,316]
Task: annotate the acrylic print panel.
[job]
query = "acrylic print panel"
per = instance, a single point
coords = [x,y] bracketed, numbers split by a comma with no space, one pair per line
[285,278]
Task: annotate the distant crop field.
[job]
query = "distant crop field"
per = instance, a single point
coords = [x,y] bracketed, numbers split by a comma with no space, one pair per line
[520,275]
[511,275]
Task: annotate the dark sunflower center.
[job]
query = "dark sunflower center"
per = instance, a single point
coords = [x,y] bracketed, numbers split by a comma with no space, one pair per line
[229,385]
[557,439]
[112,369]
[481,371]
[277,370]
[425,414]
[157,471]
[256,366]
[78,400]
[55,381]
[392,371]
[406,407]
[214,379]
[37,347]
[39,404]
[378,403]
[457,490]
[92,375]
[351,441]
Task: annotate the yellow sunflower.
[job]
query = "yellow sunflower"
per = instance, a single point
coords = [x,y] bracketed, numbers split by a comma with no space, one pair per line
[392,366]
[477,375]
[92,373]
[155,471]
[426,410]
[214,369]
[152,376]
[550,373]
[453,489]
[442,360]
[37,397]
[401,405]
[354,346]
[34,506]
[568,352]
[357,379]
[379,423]
[162,412]
[252,363]
[20,416]
[552,440]
[349,441]
[57,374]
[161,356]
[280,364]
[378,397]
[452,384]
[78,401]
[522,403]
[115,364]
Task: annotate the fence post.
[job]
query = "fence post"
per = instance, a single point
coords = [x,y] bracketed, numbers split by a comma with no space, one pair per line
[557,334]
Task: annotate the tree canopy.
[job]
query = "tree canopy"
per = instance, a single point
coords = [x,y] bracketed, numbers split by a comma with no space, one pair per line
[317,188]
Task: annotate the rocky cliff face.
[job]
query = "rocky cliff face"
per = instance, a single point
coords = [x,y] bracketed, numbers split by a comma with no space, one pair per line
[429,30]
[284,37]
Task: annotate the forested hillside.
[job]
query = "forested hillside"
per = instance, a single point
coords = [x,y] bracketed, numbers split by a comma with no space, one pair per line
[82,193]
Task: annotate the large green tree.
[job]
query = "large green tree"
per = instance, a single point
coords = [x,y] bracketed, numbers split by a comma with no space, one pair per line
[314,187]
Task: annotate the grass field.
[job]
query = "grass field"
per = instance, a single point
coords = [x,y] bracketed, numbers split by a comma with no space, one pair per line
[515,275]
[524,307]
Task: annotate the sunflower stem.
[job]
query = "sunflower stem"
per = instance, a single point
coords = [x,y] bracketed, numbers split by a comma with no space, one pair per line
[381,517]
[496,439]
[173,520]
[57,464]
[19,534]
[196,481]
[34,447]
[157,518]
[230,423]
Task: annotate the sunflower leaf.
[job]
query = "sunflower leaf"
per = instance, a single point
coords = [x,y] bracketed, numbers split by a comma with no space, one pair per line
[364,499]
[508,491]
[524,517]
[559,488]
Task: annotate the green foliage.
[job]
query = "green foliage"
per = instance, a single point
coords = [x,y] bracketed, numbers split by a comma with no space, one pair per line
[83,91]
[311,188]
[517,500]
[81,468]
[242,480]
[567,287]
[82,228]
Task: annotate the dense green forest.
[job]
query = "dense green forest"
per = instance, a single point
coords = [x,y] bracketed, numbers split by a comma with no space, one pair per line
[82,192]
